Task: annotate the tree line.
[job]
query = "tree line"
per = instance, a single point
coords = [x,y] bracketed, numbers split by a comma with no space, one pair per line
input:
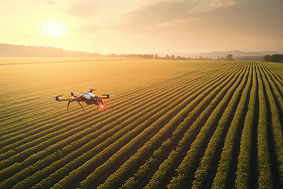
[11,50]
[273,58]
[156,56]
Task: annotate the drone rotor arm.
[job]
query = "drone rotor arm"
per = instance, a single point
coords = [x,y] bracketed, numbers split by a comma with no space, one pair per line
[65,99]
[107,96]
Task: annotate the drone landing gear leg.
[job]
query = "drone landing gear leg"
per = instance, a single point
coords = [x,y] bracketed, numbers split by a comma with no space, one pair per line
[81,105]
[98,103]
[102,105]
[68,105]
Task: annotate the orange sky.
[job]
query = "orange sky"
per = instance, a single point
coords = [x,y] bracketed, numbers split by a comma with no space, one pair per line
[144,26]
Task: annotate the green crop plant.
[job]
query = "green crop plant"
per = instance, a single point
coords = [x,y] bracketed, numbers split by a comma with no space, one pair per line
[174,124]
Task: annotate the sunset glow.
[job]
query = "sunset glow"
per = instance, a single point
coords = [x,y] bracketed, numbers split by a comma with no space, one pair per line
[144,26]
[52,28]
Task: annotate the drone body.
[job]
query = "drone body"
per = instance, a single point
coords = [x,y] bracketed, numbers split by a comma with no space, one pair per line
[86,97]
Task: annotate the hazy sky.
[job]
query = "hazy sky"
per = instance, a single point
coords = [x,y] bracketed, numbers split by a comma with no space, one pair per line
[144,26]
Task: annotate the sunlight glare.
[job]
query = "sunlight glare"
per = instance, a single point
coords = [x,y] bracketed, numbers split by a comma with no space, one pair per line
[53,28]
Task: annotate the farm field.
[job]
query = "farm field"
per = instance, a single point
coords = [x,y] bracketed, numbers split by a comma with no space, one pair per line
[172,124]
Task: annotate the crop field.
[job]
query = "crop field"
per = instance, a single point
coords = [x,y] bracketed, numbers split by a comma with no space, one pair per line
[172,124]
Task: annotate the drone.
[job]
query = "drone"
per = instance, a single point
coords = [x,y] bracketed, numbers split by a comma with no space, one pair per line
[86,97]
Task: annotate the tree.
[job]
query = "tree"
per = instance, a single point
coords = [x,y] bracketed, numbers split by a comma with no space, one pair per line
[229,57]
[172,56]
[267,58]
[276,57]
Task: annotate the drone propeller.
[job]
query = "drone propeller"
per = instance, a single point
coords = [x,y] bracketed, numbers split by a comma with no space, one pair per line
[90,90]
[73,93]
[57,97]
[106,94]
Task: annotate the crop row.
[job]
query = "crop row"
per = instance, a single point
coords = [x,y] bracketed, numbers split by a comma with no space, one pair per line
[83,124]
[140,97]
[62,143]
[36,126]
[126,129]
[173,151]
[61,124]
[114,178]
[223,174]
[21,167]
[47,104]
[185,168]
[216,125]
[64,121]
[264,164]
[120,154]
[203,110]
[276,126]
[243,178]
[205,166]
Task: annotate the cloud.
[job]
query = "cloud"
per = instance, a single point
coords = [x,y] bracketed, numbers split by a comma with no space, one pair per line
[49,2]
[223,3]
[241,16]
[84,9]
[235,24]
[260,16]
[161,12]
[42,2]
[88,29]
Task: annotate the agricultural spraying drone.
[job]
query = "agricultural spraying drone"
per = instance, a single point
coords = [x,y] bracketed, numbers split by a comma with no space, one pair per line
[87,97]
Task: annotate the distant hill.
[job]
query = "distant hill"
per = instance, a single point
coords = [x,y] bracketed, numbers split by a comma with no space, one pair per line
[10,50]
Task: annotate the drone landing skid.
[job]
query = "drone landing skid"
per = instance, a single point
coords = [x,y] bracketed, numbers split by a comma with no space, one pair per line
[78,102]
[81,105]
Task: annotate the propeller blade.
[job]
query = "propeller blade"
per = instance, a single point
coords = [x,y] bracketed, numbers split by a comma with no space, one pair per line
[90,90]
[57,96]
[73,93]
[106,94]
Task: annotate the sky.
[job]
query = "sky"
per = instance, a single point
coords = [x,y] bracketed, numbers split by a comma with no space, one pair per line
[144,26]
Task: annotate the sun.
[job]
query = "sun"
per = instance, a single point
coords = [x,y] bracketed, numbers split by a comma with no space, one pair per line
[53,28]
